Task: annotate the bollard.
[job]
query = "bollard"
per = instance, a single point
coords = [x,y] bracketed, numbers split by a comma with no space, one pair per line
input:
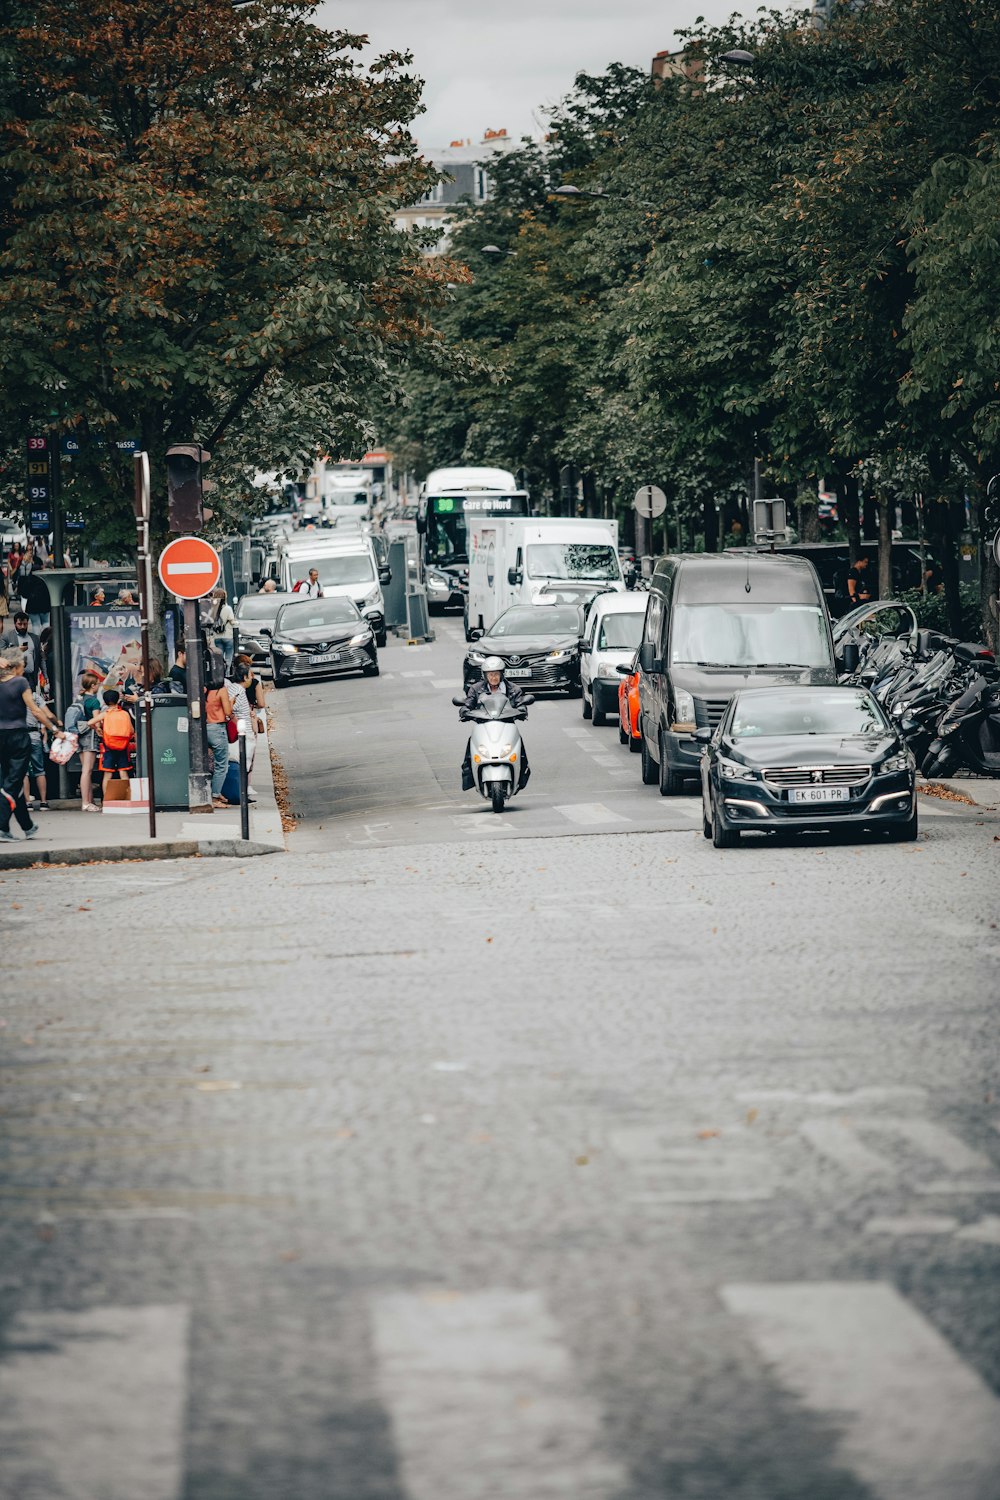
[241,734]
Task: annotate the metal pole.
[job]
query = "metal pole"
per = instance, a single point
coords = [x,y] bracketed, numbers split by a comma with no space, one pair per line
[199,781]
[55,477]
[241,733]
[145,593]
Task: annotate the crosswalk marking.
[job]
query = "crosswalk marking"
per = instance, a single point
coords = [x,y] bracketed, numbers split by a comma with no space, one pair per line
[840,1141]
[576,733]
[92,1404]
[714,1171]
[589,814]
[915,1421]
[484,1400]
[837,1141]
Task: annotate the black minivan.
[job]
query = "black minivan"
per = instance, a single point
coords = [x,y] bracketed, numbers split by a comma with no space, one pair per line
[717,622]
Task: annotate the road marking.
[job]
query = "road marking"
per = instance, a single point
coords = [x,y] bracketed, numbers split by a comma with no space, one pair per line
[836,1140]
[986,1232]
[589,814]
[92,1404]
[913,1224]
[871,1095]
[483,823]
[450,685]
[606,761]
[484,1402]
[915,1421]
[417,674]
[714,1171]
[576,734]
[936,1142]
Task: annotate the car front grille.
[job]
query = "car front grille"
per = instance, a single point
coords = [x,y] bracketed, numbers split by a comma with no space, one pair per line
[708,711]
[786,776]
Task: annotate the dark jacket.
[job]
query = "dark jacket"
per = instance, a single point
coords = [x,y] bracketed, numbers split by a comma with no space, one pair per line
[481,689]
[9,642]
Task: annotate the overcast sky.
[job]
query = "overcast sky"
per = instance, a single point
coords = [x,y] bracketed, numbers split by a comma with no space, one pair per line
[495,65]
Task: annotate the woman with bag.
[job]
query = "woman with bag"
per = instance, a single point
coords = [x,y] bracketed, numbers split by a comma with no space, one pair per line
[240,689]
[83,718]
[218,712]
[224,627]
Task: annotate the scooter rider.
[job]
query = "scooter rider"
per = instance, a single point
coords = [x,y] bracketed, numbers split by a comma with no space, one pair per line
[492,682]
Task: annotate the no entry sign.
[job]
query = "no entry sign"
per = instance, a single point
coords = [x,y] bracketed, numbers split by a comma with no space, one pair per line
[189,568]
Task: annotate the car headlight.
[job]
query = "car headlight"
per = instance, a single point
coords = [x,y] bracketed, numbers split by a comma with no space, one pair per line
[558,655]
[438,581]
[607,669]
[360,640]
[732,770]
[286,648]
[372,597]
[683,706]
[901,762]
[476,657]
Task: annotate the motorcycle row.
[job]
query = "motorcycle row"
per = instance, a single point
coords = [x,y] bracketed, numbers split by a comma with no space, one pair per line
[942,694]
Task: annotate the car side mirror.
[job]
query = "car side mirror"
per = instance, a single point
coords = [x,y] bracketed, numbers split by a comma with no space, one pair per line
[703,734]
[515,576]
[630,576]
[647,657]
[625,668]
[421,524]
[266,630]
[476,633]
[385,575]
[584,648]
[850,656]
[908,724]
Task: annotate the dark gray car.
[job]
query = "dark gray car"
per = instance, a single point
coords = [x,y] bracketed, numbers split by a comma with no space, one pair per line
[254,613]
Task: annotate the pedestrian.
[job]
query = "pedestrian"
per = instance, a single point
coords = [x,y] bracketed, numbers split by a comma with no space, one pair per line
[858,585]
[311,588]
[218,712]
[243,691]
[4,595]
[268,587]
[83,718]
[178,672]
[16,703]
[117,740]
[135,683]
[36,762]
[22,638]
[97,597]
[225,626]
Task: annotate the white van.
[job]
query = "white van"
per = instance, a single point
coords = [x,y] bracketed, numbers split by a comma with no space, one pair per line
[346,564]
[521,559]
[611,637]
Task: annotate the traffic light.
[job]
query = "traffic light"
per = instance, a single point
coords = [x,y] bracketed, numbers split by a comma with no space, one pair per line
[185,487]
[567,487]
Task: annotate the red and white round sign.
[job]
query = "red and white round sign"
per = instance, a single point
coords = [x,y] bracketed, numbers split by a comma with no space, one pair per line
[189,568]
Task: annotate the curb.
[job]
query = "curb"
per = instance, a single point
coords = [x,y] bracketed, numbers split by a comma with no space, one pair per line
[27,859]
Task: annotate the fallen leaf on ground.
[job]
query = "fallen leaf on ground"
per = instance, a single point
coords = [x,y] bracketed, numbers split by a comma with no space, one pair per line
[708,1135]
[751,1116]
[216,1085]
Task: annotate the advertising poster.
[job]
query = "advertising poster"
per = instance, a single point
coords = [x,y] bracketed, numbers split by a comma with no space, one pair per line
[105,641]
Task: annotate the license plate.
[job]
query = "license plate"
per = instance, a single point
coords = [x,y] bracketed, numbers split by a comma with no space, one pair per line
[327,656]
[819,794]
[518,671]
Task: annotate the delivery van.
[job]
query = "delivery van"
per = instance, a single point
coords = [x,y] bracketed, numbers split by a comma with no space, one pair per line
[521,559]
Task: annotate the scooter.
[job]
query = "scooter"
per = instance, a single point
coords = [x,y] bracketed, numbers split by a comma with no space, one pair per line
[968,733]
[496,745]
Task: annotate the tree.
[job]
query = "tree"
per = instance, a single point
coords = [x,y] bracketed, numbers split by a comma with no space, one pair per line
[197,237]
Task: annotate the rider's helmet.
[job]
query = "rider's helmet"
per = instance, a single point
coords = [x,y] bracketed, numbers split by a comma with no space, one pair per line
[493,664]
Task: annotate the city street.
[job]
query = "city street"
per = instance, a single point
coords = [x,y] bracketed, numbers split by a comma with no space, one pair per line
[599,1163]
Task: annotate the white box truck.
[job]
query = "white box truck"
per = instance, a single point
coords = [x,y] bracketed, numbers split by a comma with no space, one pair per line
[520,559]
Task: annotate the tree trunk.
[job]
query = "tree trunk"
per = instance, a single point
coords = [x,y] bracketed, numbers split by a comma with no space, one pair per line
[808,507]
[942,531]
[885,510]
[850,512]
[710,524]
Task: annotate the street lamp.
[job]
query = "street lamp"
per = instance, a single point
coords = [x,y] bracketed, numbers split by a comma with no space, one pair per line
[570,190]
[739,57]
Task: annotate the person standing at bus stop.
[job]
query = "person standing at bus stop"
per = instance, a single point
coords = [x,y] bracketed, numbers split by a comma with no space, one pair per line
[16,702]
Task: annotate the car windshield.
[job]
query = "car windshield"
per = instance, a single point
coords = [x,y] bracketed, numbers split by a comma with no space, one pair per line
[311,613]
[572,560]
[340,567]
[524,620]
[841,711]
[749,635]
[259,606]
[621,632]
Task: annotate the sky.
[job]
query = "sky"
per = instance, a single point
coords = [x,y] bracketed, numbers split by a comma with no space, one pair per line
[496,65]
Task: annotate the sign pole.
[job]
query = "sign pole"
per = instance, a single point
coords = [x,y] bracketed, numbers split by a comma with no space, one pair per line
[189,569]
[140,463]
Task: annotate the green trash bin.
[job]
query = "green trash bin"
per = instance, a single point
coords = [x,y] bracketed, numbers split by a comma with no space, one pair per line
[171,760]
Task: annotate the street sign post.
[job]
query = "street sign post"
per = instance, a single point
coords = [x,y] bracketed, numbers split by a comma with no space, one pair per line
[38,487]
[189,568]
[650,502]
[996,549]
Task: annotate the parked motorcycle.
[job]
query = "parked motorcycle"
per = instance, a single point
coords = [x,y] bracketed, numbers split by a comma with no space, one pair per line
[968,733]
[495,745]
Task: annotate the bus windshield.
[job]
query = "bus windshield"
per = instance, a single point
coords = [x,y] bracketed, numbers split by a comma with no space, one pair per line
[446,537]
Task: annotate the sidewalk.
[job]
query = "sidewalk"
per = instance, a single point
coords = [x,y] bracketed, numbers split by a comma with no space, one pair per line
[983,790]
[67,836]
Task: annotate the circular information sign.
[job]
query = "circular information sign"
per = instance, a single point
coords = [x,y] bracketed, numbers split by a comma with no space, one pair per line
[189,568]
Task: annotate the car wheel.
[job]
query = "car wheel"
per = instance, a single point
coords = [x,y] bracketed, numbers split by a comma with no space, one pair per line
[650,770]
[722,837]
[623,734]
[575,690]
[279,681]
[904,833]
[671,782]
[585,707]
[706,827]
[634,744]
[380,639]
[371,670]
[598,714]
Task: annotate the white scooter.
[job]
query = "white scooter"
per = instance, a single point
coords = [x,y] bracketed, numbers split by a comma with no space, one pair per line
[496,748]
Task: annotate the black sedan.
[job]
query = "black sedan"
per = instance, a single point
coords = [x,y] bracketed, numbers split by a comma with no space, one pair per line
[805,758]
[255,617]
[539,645]
[321,638]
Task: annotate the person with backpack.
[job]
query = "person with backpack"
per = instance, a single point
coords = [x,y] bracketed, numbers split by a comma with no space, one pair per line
[16,702]
[117,739]
[83,717]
